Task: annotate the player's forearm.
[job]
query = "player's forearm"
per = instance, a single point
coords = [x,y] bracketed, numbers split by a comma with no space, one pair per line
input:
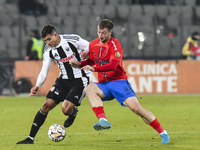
[109,67]
[42,75]
[86,62]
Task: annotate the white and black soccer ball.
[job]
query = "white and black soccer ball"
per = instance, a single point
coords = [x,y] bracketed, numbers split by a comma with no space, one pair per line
[56,132]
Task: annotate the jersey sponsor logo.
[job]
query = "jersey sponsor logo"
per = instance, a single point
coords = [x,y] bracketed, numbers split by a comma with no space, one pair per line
[67,59]
[102,61]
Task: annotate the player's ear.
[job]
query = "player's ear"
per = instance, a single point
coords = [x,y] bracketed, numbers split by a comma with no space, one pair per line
[110,33]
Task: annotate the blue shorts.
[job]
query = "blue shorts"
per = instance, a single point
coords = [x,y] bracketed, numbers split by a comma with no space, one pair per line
[119,89]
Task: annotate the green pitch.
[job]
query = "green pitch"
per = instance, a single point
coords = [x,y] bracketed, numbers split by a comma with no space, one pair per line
[178,114]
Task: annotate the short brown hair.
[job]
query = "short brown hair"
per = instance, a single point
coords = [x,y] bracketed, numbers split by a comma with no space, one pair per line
[48,29]
[105,23]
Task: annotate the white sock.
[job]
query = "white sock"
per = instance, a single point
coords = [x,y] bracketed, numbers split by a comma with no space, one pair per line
[164,132]
[103,119]
[32,138]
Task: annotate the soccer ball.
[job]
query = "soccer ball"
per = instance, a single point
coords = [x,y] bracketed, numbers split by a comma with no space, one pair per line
[56,132]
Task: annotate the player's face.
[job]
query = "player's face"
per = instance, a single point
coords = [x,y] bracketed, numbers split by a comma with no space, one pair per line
[52,40]
[104,35]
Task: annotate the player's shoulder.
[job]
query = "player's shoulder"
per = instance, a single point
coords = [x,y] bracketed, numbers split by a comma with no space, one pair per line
[114,40]
[71,37]
[47,48]
[95,41]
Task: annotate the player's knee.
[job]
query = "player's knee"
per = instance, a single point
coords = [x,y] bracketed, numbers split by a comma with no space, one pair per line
[88,89]
[45,108]
[67,109]
[136,110]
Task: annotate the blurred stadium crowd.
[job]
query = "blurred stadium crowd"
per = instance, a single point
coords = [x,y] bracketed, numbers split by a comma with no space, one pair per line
[147,30]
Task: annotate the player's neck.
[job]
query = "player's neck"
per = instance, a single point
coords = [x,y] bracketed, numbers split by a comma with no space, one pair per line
[105,41]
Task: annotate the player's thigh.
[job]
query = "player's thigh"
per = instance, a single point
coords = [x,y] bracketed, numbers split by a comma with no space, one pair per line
[95,88]
[131,102]
[76,94]
[48,105]
[58,91]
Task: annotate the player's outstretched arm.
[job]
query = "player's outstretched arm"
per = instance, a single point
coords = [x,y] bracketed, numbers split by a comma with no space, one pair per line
[33,90]
[88,68]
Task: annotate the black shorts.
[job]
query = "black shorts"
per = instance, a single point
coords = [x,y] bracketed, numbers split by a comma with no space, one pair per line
[68,89]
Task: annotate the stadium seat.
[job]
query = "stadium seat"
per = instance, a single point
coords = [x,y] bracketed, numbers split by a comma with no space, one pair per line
[69,20]
[176,47]
[62,11]
[149,10]
[110,11]
[4,47]
[82,31]
[162,11]
[63,3]
[190,2]
[99,2]
[147,20]
[43,20]
[175,11]
[92,32]
[136,14]
[82,20]
[6,19]
[163,47]
[12,8]
[74,10]
[30,21]
[86,10]
[94,20]
[114,2]
[16,31]
[123,11]
[5,31]
[13,47]
[172,22]
[99,10]
[87,2]
[119,31]
[68,29]
[75,2]
[194,28]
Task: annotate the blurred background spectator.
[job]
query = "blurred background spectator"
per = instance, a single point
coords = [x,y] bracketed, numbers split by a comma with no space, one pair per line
[32,7]
[35,46]
[191,49]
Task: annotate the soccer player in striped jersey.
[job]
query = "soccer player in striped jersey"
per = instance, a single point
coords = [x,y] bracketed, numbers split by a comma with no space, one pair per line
[69,86]
[106,54]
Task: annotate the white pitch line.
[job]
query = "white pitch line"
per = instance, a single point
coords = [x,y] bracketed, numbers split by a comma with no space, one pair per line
[180,132]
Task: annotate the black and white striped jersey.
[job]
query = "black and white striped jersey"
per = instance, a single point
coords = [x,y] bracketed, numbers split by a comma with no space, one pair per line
[69,48]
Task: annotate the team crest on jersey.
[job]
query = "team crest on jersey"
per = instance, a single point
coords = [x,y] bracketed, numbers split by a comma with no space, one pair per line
[117,54]
[67,48]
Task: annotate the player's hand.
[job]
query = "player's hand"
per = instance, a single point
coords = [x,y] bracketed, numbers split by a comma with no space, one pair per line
[74,63]
[83,55]
[33,90]
[87,68]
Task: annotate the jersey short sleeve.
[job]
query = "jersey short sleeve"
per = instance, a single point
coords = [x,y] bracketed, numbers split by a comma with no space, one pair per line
[116,50]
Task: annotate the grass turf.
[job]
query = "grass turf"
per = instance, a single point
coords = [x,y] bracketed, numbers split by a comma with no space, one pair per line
[178,114]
